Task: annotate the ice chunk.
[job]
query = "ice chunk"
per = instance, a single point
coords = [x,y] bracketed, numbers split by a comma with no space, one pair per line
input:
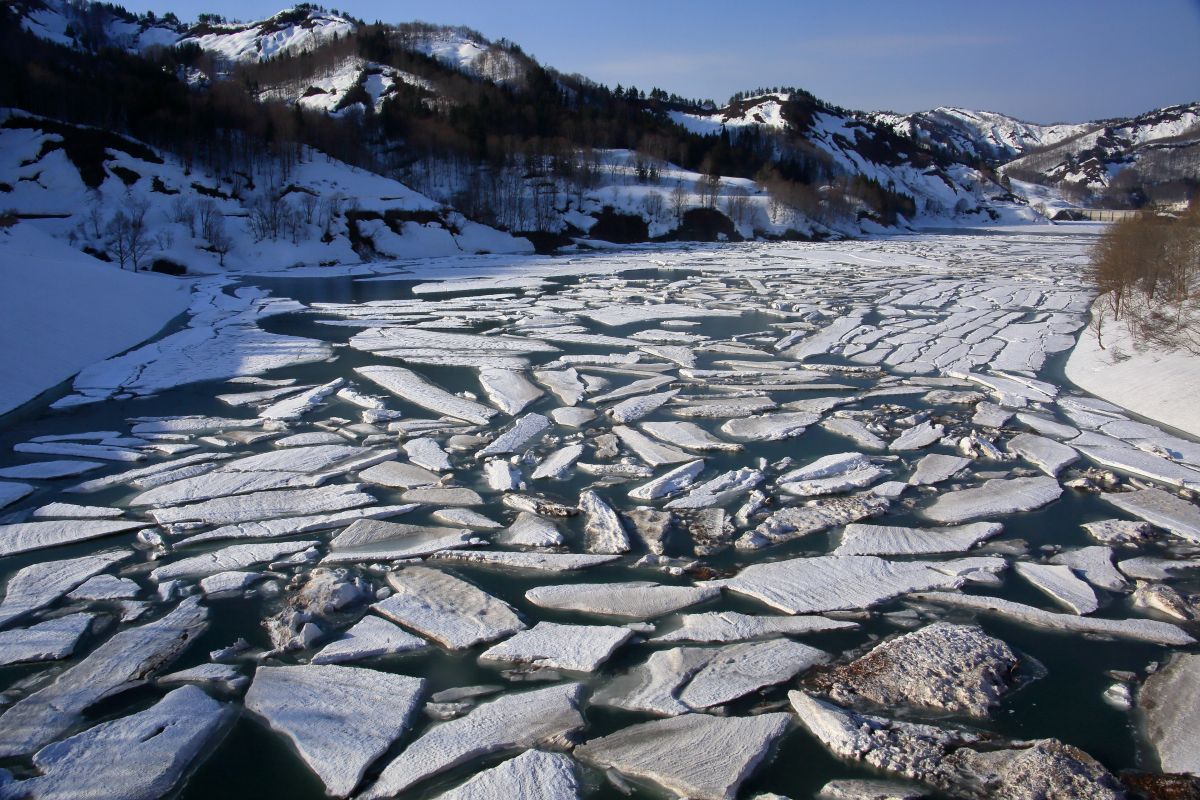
[731,626]
[653,453]
[1146,465]
[128,659]
[446,609]
[719,491]
[856,431]
[837,583]
[558,463]
[234,557]
[1170,706]
[138,757]
[742,668]
[38,585]
[369,637]
[296,406]
[1142,630]
[399,475]
[563,384]
[410,386]
[533,775]
[544,562]
[694,755]
[340,719]
[603,529]
[512,722]
[687,435]
[508,390]
[45,470]
[518,437]
[917,436]
[635,599]
[288,526]
[770,427]
[795,522]
[47,641]
[21,537]
[369,540]
[1162,509]
[997,496]
[669,483]
[955,669]
[1046,454]
[652,686]
[70,510]
[577,648]
[1095,565]
[935,468]
[637,407]
[266,505]
[530,530]
[426,453]
[894,540]
[105,587]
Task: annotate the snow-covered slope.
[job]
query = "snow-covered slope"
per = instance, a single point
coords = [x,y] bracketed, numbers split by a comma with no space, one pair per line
[1163,145]
[986,135]
[61,310]
[853,145]
[464,50]
[319,211]
[293,31]
[92,26]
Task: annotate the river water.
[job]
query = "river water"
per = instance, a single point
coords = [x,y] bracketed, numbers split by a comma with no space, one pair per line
[1062,676]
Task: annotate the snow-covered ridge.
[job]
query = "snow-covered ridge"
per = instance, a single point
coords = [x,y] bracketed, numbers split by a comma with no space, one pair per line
[62,22]
[463,49]
[765,110]
[1160,142]
[986,135]
[291,32]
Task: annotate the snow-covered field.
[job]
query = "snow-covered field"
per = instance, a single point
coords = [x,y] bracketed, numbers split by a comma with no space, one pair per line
[674,519]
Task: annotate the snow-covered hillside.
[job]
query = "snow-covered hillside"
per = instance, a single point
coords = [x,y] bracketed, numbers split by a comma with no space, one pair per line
[1162,144]
[853,144]
[985,135]
[319,211]
[78,25]
[292,31]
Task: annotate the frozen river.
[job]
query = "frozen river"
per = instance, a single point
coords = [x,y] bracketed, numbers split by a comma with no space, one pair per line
[719,522]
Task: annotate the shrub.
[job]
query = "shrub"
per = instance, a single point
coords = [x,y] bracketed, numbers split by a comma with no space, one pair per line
[1147,269]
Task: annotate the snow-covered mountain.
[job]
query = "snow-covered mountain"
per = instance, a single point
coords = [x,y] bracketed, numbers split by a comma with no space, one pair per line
[985,135]
[1159,147]
[296,30]
[91,26]
[852,144]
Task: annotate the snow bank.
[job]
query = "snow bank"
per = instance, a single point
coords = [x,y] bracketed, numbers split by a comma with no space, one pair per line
[1157,384]
[61,310]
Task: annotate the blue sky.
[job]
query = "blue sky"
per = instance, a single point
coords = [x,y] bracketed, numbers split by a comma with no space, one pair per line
[1043,61]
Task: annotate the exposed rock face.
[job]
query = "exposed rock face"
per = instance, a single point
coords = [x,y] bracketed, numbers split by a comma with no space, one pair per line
[962,763]
[942,667]
[1170,704]
[694,755]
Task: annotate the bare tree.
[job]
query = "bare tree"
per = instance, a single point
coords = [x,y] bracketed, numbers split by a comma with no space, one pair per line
[653,203]
[678,202]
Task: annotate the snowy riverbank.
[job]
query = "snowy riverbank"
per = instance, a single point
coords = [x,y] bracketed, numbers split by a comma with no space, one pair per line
[61,310]
[1159,385]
